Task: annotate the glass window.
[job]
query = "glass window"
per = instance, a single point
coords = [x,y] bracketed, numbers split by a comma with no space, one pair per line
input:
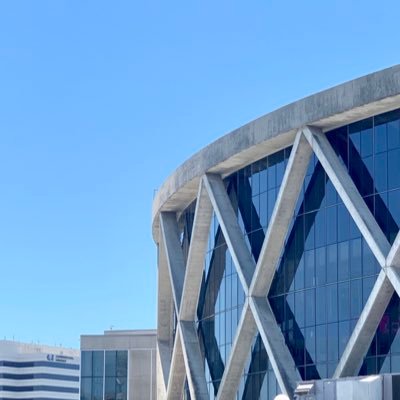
[310,342]
[356,304]
[111,360]
[343,261]
[344,335]
[333,339]
[97,389]
[331,303]
[394,167]
[299,308]
[309,269]
[393,133]
[380,137]
[310,307]
[121,388]
[343,223]
[86,363]
[381,176]
[320,266]
[320,305]
[98,363]
[331,267]
[109,390]
[86,387]
[355,258]
[344,301]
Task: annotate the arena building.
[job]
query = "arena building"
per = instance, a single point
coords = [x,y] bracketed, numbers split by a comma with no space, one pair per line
[278,249]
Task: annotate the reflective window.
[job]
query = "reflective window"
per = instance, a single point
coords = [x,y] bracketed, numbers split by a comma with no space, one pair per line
[94,383]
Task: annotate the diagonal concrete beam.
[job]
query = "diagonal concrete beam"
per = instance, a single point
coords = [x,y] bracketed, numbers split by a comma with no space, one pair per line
[195,261]
[279,355]
[174,254]
[393,258]
[364,331]
[193,361]
[281,216]
[348,192]
[163,368]
[176,381]
[227,218]
[165,299]
[241,346]
[165,309]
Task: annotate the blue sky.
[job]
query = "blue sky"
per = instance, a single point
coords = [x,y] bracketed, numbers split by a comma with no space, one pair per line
[100,101]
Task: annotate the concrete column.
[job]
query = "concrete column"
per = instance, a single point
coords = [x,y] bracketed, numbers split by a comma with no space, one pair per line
[274,342]
[393,258]
[196,256]
[177,375]
[174,254]
[193,361]
[164,322]
[240,351]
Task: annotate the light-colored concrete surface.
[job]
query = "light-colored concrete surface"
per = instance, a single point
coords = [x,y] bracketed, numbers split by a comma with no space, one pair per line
[234,239]
[116,340]
[177,375]
[274,342]
[174,254]
[241,347]
[195,261]
[281,216]
[142,373]
[162,372]
[393,258]
[193,361]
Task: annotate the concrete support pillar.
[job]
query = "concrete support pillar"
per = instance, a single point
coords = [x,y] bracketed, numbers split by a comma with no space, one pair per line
[274,342]
[177,376]
[193,361]
[196,256]
[241,347]
[227,218]
[174,254]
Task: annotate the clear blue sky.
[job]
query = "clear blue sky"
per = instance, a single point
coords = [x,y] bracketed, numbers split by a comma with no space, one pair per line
[100,101]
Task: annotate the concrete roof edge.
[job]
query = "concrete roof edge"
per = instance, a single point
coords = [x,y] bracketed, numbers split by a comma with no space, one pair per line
[350,101]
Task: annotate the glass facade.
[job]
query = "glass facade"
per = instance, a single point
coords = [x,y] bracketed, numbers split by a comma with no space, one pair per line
[104,375]
[326,270]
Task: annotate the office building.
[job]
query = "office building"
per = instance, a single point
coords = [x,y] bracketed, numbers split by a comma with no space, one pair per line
[278,249]
[38,372]
[119,365]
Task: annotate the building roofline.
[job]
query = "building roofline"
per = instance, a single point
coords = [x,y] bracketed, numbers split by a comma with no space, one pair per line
[348,102]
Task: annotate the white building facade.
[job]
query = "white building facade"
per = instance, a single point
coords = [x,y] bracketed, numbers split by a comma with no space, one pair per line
[38,372]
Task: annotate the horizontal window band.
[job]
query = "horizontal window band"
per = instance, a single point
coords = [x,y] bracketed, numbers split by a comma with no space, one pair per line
[38,388]
[27,364]
[31,398]
[70,378]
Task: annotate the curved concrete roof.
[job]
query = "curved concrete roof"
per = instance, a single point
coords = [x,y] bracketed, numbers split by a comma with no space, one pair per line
[351,101]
